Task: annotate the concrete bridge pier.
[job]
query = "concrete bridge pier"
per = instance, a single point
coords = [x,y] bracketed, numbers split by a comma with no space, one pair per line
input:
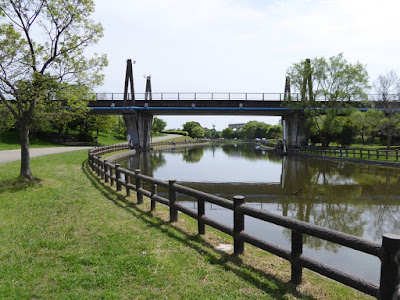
[295,132]
[139,126]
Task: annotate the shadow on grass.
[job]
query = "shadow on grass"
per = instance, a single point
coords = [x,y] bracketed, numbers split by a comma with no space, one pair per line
[273,286]
[18,184]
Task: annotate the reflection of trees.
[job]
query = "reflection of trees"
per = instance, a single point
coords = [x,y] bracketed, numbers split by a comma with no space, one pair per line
[193,155]
[338,216]
[157,160]
[247,151]
[384,218]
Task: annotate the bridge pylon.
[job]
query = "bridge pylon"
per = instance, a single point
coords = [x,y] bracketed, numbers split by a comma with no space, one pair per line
[138,124]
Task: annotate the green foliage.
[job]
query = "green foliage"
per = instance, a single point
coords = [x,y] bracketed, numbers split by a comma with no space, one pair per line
[42,50]
[7,120]
[255,129]
[188,126]
[197,132]
[158,125]
[227,133]
[347,134]
[333,80]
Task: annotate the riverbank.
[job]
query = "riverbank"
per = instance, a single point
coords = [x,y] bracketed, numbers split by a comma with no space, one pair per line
[70,235]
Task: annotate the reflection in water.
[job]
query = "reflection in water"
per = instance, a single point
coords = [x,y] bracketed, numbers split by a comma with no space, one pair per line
[360,200]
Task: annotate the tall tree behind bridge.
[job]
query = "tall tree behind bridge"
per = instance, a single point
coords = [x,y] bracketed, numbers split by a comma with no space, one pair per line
[42,44]
[334,82]
[387,87]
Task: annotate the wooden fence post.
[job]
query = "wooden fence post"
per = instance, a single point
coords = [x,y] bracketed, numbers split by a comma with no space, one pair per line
[117,176]
[139,196]
[238,225]
[297,250]
[173,212]
[127,181]
[397,155]
[111,176]
[153,192]
[105,171]
[377,154]
[389,268]
[369,154]
[201,227]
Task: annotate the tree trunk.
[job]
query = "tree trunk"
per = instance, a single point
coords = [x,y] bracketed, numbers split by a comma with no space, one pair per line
[388,140]
[25,157]
[362,139]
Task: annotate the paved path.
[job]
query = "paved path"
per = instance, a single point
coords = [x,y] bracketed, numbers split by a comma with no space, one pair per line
[12,155]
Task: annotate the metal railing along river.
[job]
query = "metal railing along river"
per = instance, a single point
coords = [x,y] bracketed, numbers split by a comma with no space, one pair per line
[388,252]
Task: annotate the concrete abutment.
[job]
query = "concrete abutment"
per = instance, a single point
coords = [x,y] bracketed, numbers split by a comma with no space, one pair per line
[139,127]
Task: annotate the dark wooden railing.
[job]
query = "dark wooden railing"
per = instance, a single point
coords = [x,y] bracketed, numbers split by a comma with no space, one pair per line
[361,153]
[388,252]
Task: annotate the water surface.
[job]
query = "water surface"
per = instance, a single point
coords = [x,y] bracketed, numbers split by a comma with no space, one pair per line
[357,199]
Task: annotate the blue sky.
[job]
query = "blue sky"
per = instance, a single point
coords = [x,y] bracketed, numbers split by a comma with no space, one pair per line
[239,46]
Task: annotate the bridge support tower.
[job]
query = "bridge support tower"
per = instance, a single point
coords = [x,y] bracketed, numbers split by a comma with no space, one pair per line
[295,132]
[139,127]
[138,124]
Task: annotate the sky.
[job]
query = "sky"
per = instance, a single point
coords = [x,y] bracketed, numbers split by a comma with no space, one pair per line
[239,45]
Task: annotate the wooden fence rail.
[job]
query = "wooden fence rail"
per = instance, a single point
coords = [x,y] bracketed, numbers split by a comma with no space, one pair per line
[361,153]
[388,252]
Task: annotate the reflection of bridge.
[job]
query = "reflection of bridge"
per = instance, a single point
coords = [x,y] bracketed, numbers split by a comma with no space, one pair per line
[138,109]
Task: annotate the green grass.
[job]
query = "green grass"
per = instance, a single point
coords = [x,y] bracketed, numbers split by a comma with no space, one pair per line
[71,237]
[10,141]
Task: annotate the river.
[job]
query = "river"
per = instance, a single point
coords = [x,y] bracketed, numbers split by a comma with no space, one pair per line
[357,199]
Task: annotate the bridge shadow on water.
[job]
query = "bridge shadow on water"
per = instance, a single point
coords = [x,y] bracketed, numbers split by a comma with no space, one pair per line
[271,285]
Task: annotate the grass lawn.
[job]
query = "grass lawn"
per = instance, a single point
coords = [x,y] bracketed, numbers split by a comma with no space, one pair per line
[68,236]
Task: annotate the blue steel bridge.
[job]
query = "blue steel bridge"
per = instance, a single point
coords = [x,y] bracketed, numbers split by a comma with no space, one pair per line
[209,103]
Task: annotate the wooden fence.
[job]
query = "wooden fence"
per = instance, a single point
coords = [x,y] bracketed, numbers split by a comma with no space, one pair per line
[361,153]
[388,252]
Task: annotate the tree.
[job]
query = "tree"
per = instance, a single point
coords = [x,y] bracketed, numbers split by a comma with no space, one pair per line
[255,129]
[197,132]
[158,125]
[227,133]
[360,123]
[333,82]
[387,87]
[42,45]
[188,126]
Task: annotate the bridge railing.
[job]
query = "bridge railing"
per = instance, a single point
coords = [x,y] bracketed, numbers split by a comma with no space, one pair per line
[207,96]
[388,252]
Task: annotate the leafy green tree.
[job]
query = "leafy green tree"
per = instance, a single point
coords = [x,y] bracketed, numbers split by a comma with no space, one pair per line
[42,46]
[388,88]
[208,133]
[347,134]
[6,119]
[197,132]
[227,133]
[255,129]
[158,125]
[275,132]
[359,120]
[188,126]
[334,82]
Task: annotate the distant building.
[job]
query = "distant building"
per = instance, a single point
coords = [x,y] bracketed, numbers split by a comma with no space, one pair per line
[237,126]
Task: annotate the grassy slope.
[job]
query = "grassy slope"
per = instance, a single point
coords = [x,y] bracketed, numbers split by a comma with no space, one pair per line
[72,237]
